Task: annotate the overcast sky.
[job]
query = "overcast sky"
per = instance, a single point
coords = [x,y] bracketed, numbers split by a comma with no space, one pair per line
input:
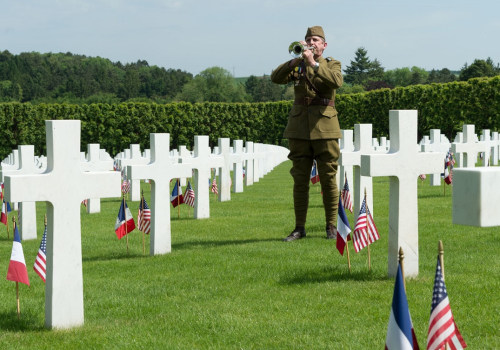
[251,37]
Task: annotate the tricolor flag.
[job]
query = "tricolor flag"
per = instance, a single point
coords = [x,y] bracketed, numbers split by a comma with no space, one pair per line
[17,267]
[314,173]
[365,231]
[346,196]
[40,261]
[144,217]
[400,333]
[124,222]
[442,327]
[177,198]
[343,229]
[5,211]
[189,197]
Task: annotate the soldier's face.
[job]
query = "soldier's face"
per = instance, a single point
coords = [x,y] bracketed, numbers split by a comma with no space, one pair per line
[318,43]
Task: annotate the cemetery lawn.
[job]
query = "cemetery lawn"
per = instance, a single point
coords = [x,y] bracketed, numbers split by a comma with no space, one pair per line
[231,283]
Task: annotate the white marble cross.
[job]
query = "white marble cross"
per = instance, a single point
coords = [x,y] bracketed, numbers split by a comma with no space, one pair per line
[362,145]
[160,171]
[436,145]
[249,162]
[95,163]
[489,144]
[64,185]
[236,157]
[27,210]
[469,148]
[495,149]
[135,158]
[203,162]
[403,164]
[224,183]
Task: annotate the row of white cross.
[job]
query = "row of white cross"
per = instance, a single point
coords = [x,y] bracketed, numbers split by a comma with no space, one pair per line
[66,182]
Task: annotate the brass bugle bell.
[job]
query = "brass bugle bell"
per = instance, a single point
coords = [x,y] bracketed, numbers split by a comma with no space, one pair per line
[296,49]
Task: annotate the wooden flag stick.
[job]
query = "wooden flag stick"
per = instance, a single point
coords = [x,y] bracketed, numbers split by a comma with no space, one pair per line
[7,215]
[401,259]
[125,213]
[348,256]
[178,199]
[441,256]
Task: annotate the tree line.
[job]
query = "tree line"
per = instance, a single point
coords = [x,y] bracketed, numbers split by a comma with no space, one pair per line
[69,78]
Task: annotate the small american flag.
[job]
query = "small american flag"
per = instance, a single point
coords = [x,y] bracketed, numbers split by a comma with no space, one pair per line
[189,197]
[144,217]
[40,261]
[346,196]
[365,231]
[214,188]
[125,186]
[442,327]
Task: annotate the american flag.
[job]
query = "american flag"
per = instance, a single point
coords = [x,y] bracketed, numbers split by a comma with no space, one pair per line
[40,261]
[442,327]
[189,197]
[346,196]
[144,217]
[125,186]
[214,188]
[365,231]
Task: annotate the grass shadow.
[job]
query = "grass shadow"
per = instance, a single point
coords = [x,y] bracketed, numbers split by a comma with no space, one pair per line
[332,274]
[120,256]
[27,322]
[215,243]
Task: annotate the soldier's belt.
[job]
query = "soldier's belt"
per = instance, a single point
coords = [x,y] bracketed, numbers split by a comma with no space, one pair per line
[316,101]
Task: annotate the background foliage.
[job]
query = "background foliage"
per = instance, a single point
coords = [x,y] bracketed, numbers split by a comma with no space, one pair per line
[115,126]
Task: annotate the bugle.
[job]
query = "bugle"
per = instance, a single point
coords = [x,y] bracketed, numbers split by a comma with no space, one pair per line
[296,49]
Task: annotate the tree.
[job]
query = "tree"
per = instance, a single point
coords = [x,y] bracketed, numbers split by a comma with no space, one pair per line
[441,76]
[214,84]
[362,69]
[263,89]
[406,76]
[480,68]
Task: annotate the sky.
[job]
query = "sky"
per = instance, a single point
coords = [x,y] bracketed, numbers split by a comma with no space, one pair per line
[251,37]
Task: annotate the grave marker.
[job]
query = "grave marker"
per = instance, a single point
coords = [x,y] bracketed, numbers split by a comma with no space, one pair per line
[63,186]
[403,164]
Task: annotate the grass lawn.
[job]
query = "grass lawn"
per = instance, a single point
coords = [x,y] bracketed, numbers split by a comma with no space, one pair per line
[231,283]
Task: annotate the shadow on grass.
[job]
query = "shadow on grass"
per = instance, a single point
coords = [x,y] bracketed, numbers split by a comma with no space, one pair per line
[27,322]
[191,244]
[433,195]
[332,274]
[120,256]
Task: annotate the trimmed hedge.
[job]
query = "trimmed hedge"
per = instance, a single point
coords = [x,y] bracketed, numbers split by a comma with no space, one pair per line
[115,127]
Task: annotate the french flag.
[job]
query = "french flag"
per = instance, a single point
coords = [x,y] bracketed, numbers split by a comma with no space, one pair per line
[17,267]
[400,333]
[124,222]
[343,229]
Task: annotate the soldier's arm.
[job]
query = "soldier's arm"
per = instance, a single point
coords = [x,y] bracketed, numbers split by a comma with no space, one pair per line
[331,73]
[282,74]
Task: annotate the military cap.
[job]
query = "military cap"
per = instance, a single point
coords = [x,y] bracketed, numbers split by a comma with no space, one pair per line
[316,30]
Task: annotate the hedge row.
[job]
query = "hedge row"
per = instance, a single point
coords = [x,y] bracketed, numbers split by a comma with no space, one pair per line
[115,127]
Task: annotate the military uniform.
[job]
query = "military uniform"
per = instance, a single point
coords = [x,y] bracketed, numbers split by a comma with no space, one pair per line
[313,131]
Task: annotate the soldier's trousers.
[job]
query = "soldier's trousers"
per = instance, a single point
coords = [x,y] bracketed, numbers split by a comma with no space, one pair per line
[326,153]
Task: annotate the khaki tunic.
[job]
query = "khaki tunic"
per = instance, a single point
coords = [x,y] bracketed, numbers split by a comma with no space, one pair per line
[312,122]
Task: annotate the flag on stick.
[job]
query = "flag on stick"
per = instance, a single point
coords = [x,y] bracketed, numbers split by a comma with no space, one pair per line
[343,229]
[346,196]
[400,332]
[17,267]
[214,188]
[314,173]
[189,197]
[40,266]
[442,328]
[5,213]
[365,231]
[124,222]
[144,217]
[177,198]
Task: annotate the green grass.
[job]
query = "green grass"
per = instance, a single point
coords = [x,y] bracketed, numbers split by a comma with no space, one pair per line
[230,283]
